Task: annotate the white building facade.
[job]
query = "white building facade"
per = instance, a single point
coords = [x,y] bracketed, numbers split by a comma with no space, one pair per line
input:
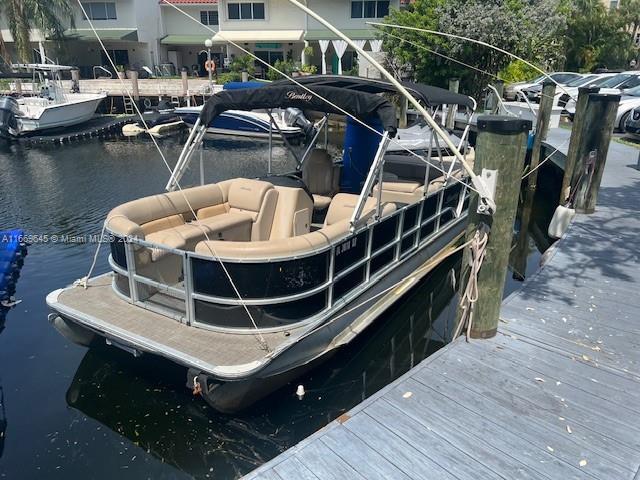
[168,35]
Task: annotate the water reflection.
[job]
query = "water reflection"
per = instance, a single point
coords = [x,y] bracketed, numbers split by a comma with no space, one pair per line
[145,400]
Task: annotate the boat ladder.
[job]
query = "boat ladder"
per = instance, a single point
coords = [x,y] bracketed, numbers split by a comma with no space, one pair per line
[128,105]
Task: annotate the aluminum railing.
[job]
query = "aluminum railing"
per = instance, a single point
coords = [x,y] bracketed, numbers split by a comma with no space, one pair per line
[424,222]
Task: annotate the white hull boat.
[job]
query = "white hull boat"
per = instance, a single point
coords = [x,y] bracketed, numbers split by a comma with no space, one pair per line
[42,114]
[52,108]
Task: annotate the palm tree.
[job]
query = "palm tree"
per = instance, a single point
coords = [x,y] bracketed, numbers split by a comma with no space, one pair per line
[25,15]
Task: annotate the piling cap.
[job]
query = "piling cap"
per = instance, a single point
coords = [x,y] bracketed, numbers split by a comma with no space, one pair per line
[604,97]
[547,82]
[588,90]
[503,124]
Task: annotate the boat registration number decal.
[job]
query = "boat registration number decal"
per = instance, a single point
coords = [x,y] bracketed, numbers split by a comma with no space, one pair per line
[346,246]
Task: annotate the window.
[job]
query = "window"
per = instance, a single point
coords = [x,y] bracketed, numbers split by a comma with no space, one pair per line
[100,10]
[246,11]
[209,17]
[369,9]
[269,56]
[613,4]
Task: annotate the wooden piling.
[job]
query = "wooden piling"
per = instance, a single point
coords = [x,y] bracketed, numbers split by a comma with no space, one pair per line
[500,147]
[185,82]
[494,103]
[454,85]
[18,86]
[521,251]
[574,142]
[133,75]
[403,106]
[597,128]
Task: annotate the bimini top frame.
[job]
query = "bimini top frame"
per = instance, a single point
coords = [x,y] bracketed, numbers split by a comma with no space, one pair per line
[320,98]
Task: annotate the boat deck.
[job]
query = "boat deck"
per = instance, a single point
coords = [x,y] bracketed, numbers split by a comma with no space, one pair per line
[556,394]
[157,333]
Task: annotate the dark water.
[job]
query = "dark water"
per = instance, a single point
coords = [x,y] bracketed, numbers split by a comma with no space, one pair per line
[72,413]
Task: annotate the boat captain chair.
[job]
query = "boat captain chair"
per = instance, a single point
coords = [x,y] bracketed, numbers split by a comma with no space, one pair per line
[322,177]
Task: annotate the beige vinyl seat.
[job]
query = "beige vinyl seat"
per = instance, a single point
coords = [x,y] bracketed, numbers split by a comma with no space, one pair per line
[322,177]
[233,210]
[343,205]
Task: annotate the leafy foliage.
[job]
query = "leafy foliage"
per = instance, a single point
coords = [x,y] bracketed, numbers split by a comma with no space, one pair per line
[598,37]
[244,63]
[285,66]
[530,28]
[24,15]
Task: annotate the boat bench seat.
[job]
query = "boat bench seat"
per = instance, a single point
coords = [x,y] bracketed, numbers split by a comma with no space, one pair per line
[336,227]
[343,205]
[233,210]
[225,226]
[409,191]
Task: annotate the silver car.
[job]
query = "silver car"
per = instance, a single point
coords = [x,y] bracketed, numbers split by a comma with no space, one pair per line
[511,91]
[632,124]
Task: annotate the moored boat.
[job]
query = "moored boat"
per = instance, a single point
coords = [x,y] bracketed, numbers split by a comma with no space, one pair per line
[249,282]
[52,108]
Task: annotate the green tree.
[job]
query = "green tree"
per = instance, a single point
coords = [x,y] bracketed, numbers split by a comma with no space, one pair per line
[599,37]
[630,13]
[532,29]
[48,16]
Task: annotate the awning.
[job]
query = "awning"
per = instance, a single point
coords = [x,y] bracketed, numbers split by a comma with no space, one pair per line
[86,34]
[362,34]
[259,36]
[185,39]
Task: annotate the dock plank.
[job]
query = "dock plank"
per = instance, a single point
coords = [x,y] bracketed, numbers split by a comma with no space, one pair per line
[395,449]
[567,355]
[365,460]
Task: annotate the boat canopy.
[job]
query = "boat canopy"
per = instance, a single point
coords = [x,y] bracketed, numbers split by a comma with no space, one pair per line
[361,105]
[428,94]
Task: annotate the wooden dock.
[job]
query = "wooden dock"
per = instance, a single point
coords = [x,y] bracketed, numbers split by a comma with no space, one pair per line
[556,395]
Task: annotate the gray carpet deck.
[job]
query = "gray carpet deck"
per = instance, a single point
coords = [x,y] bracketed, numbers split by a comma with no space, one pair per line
[555,395]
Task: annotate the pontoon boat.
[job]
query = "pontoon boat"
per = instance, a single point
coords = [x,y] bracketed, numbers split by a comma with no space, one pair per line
[249,282]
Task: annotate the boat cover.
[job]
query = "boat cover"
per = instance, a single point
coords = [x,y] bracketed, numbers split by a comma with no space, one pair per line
[361,105]
[430,95]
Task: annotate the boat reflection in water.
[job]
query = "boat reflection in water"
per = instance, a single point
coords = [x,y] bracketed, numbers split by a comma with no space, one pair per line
[144,399]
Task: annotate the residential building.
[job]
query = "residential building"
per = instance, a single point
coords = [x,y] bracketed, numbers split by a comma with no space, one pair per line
[168,35]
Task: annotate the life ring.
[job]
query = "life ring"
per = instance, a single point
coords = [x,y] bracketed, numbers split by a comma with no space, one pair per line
[210,66]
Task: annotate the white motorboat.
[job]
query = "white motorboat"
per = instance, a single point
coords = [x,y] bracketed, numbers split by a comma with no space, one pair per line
[52,108]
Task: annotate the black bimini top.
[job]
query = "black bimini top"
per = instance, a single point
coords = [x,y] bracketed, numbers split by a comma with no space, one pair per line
[429,95]
[361,105]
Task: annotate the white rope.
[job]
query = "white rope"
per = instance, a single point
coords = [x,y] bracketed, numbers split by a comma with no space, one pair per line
[469,297]
[261,339]
[328,102]
[548,157]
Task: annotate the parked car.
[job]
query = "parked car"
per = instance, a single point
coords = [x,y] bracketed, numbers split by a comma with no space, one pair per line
[571,90]
[632,124]
[618,84]
[511,90]
[534,92]
[628,102]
